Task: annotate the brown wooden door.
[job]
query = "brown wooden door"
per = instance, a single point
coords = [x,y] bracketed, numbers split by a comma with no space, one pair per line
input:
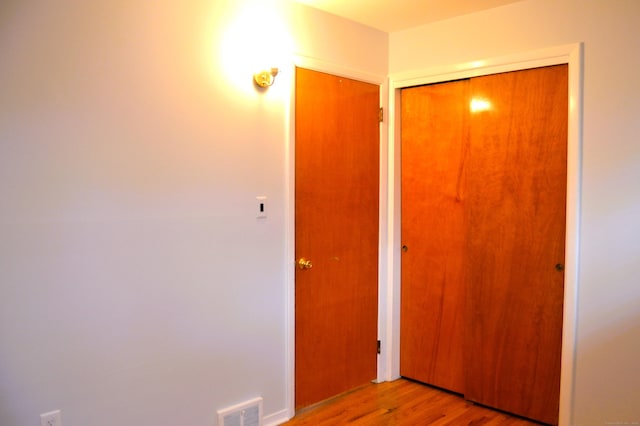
[336,215]
[497,212]
[516,232]
[434,139]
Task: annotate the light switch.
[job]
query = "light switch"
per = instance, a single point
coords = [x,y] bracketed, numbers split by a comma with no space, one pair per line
[261,206]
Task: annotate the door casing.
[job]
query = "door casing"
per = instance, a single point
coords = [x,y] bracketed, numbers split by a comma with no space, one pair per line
[380,80]
[566,54]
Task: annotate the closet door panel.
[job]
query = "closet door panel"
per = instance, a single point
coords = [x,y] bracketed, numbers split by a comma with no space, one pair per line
[515,233]
[434,139]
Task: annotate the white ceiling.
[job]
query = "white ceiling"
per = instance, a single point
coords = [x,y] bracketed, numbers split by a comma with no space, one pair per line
[395,15]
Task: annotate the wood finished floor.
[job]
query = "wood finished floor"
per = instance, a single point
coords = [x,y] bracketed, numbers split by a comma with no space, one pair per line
[402,402]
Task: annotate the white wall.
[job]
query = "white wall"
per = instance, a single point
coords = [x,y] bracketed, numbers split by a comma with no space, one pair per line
[137,286]
[608,337]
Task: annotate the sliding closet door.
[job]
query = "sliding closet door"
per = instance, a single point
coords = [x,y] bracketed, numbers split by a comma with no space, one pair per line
[483,231]
[515,234]
[434,140]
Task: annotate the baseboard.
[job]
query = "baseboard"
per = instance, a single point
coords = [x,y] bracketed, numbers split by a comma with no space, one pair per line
[276,418]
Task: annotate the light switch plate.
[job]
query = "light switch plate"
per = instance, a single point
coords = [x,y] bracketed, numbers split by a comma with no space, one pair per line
[261,206]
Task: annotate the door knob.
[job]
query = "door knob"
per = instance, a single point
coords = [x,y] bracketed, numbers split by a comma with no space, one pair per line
[559,267]
[304,263]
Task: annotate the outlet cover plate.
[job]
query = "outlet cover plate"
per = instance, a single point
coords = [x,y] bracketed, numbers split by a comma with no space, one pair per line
[52,418]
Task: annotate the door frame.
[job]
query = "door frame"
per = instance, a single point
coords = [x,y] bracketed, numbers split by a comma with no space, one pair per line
[571,54]
[367,77]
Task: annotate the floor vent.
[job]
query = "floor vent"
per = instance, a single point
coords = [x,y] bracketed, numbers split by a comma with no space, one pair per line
[248,413]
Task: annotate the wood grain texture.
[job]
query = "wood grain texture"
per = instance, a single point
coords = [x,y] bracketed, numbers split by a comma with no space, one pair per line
[336,216]
[434,145]
[402,402]
[515,220]
[483,218]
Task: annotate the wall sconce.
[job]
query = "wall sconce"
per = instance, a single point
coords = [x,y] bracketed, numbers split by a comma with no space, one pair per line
[265,78]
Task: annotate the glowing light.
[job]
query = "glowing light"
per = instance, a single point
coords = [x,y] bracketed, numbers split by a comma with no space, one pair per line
[478,105]
[256,39]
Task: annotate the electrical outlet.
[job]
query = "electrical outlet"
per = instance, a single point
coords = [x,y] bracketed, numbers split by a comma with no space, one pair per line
[52,418]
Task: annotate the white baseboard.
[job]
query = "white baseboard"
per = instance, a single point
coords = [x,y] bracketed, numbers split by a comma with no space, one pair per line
[276,418]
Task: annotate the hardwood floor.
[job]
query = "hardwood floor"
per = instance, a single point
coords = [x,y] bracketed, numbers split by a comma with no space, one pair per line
[402,402]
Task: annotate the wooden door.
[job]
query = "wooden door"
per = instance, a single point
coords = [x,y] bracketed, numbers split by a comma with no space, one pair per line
[483,221]
[434,143]
[336,215]
[516,197]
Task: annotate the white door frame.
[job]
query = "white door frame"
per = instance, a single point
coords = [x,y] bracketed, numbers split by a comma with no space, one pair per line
[390,295]
[330,68]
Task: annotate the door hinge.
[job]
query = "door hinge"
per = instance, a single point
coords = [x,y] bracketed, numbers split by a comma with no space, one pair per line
[378,346]
[381,115]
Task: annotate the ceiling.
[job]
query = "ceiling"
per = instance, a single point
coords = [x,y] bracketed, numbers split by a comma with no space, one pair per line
[396,15]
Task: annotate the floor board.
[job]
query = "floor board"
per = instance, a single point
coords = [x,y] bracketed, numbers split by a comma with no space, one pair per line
[402,402]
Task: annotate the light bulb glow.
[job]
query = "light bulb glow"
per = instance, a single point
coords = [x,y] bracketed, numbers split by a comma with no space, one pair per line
[256,39]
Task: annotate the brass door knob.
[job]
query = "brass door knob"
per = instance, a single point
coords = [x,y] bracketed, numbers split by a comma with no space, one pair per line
[304,263]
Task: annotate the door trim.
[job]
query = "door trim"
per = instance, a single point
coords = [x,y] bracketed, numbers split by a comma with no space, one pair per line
[289,214]
[571,54]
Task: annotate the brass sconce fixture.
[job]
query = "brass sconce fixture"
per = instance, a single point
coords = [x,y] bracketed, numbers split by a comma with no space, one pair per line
[265,78]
